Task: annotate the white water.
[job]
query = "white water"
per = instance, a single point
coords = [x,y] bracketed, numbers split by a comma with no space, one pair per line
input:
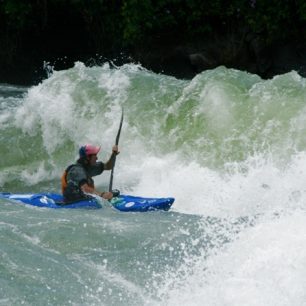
[228,146]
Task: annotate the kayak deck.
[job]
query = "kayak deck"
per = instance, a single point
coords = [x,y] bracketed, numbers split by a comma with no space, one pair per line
[49,200]
[125,203]
[132,203]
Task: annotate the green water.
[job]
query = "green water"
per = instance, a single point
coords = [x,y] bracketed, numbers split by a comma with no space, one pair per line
[229,146]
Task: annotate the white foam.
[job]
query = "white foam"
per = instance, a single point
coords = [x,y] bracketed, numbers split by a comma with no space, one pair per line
[265,265]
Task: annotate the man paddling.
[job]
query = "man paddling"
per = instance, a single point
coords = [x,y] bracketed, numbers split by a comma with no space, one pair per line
[77,182]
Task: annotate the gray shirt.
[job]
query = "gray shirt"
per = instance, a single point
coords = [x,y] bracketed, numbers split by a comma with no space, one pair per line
[77,175]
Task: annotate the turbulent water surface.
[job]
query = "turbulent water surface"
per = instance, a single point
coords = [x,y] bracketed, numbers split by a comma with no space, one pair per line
[229,146]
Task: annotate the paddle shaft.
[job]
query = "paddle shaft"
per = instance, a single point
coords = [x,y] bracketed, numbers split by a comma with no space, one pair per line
[110,188]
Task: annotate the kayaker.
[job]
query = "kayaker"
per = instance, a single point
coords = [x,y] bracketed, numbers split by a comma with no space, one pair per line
[77,182]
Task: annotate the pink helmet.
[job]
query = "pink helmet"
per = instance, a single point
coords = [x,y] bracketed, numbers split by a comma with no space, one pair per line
[88,150]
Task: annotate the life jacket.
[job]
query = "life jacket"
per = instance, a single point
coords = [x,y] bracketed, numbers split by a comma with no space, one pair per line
[64,182]
[64,178]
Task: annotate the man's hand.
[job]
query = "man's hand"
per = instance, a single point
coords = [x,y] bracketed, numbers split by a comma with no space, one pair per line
[107,195]
[115,150]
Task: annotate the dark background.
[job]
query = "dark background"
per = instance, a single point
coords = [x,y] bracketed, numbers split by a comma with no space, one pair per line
[175,37]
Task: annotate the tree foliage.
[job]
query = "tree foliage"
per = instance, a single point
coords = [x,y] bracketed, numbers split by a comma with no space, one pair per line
[115,24]
[273,18]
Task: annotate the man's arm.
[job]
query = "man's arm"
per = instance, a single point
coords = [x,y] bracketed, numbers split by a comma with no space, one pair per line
[88,189]
[110,163]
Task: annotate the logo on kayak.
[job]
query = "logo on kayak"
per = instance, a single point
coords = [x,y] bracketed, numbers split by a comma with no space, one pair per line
[129,204]
[46,200]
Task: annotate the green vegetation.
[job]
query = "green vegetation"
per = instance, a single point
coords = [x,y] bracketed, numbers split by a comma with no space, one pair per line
[40,29]
[134,21]
[275,19]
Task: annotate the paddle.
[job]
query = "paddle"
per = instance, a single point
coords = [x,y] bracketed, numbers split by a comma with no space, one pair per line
[114,157]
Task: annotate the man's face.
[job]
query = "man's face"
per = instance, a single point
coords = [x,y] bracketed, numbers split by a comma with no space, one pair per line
[92,159]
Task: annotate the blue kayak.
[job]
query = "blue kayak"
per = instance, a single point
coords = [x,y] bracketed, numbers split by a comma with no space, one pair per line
[123,202]
[132,203]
